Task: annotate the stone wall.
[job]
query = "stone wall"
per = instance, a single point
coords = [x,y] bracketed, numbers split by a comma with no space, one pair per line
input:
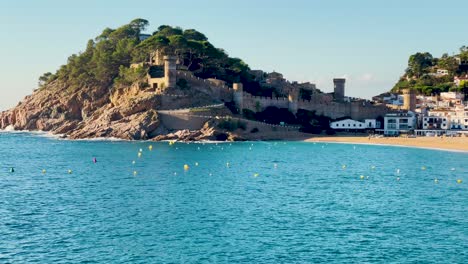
[177,121]
[322,104]
[250,102]
[218,91]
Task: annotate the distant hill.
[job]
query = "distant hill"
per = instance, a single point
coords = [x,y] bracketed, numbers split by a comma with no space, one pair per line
[430,75]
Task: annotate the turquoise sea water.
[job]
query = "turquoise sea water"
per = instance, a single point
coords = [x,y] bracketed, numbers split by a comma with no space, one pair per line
[251,202]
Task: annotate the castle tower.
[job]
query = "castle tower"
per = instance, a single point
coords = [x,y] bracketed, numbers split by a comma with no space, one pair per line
[339,89]
[409,99]
[293,95]
[238,96]
[170,71]
[156,58]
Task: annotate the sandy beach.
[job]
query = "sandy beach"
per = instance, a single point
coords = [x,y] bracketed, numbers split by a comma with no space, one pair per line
[445,143]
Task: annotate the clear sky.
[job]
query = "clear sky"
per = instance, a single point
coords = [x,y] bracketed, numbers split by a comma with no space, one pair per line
[366,41]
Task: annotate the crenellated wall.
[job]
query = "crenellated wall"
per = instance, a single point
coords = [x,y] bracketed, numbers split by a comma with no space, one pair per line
[322,104]
[250,102]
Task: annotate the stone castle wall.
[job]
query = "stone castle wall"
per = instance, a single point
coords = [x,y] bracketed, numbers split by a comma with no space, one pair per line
[218,91]
[322,104]
[250,102]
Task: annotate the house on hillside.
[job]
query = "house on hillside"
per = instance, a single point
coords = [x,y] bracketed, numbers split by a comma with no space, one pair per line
[458,79]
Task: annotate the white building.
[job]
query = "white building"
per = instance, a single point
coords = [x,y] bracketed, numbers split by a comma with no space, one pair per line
[396,123]
[435,122]
[445,121]
[442,72]
[459,118]
[350,124]
[451,96]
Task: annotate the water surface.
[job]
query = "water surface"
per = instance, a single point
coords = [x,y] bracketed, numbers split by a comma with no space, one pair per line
[251,202]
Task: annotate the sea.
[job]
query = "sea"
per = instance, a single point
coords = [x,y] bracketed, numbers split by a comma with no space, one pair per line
[100,201]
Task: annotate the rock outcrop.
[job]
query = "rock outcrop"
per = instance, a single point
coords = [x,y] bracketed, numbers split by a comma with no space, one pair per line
[126,112]
[208,132]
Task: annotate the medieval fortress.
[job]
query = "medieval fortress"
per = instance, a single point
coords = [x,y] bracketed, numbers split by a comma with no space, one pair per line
[165,73]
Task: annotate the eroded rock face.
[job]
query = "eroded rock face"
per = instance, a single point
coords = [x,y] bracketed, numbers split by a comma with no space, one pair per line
[126,113]
[208,132]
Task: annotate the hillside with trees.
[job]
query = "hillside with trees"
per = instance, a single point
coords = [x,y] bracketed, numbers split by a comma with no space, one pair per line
[99,93]
[106,59]
[429,75]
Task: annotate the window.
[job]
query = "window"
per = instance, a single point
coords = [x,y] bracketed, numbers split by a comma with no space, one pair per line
[360,125]
[342,125]
[354,125]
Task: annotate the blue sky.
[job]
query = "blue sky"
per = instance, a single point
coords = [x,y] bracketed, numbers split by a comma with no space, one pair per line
[368,42]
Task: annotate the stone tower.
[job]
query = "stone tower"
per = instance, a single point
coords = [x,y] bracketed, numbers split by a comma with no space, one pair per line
[293,95]
[156,58]
[339,89]
[409,99]
[238,96]
[170,71]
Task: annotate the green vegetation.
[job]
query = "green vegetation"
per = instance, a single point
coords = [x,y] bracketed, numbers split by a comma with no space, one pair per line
[127,76]
[107,58]
[421,73]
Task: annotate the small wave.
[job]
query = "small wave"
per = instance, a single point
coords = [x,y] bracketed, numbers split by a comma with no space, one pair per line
[100,139]
[40,133]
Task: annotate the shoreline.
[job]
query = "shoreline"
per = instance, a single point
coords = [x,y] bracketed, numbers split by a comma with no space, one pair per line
[455,144]
[451,144]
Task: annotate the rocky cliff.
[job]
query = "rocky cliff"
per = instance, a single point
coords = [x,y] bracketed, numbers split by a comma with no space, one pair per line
[127,112]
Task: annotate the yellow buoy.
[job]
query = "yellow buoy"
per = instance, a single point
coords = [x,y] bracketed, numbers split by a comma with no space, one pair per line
[362,177]
[133,162]
[70,171]
[255,175]
[150,147]
[227,164]
[423,168]
[436,180]
[373,167]
[343,167]
[186,167]
[459,181]
[139,154]
[44,171]
[196,163]
[135,173]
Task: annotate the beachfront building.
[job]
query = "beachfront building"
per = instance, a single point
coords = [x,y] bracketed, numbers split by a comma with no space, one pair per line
[398,123]
[453,120]
[435,122]
[353,125]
